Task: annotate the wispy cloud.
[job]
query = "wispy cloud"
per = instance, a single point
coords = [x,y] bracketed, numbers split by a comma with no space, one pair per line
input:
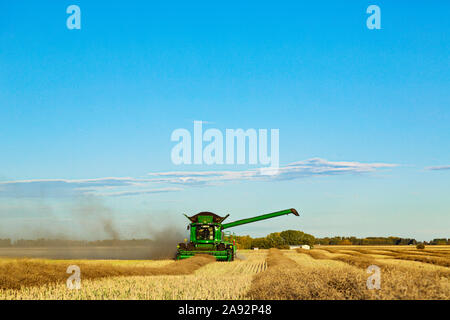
[134,193]
[159,182]
[438,168]
[296,170]
[63,187]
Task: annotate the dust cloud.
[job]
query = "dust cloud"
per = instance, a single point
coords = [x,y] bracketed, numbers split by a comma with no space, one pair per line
[92,231]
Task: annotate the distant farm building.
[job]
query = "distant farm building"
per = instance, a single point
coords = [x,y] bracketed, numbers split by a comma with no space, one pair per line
[304,246]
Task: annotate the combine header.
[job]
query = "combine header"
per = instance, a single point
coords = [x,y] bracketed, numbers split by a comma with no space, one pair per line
[207,235]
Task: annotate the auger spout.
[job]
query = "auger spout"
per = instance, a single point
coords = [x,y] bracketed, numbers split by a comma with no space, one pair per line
[258,218]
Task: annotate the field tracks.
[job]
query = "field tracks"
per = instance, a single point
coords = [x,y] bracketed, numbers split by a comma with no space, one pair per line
[365,257]
[31,272]
[404,275]
[288,280]
[335,273]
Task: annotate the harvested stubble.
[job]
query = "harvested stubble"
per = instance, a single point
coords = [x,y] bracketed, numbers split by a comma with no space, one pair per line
[221,280]
[286,279]
[306,274]
[28,272]
[186,287]
[358,260]
[440,259]
[422,252]
[404,281]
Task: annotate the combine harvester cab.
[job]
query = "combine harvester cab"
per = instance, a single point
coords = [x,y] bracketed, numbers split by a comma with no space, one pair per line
[207,235]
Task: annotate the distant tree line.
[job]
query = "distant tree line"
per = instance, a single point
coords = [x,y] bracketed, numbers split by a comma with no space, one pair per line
[377,241]
[281,240]
[441,242]
[74,243]
[365,241]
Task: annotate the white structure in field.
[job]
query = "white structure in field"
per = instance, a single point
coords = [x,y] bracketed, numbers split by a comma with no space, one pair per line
[304,246]
[255,248]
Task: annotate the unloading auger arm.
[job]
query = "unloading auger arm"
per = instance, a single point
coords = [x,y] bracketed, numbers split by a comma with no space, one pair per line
[258,218]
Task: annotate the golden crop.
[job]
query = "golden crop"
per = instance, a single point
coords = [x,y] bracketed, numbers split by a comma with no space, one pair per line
[337,272]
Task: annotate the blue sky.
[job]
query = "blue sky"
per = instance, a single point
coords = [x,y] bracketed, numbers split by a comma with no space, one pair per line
[363,114]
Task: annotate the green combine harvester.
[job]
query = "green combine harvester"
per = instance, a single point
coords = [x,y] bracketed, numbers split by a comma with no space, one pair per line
[207,235]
